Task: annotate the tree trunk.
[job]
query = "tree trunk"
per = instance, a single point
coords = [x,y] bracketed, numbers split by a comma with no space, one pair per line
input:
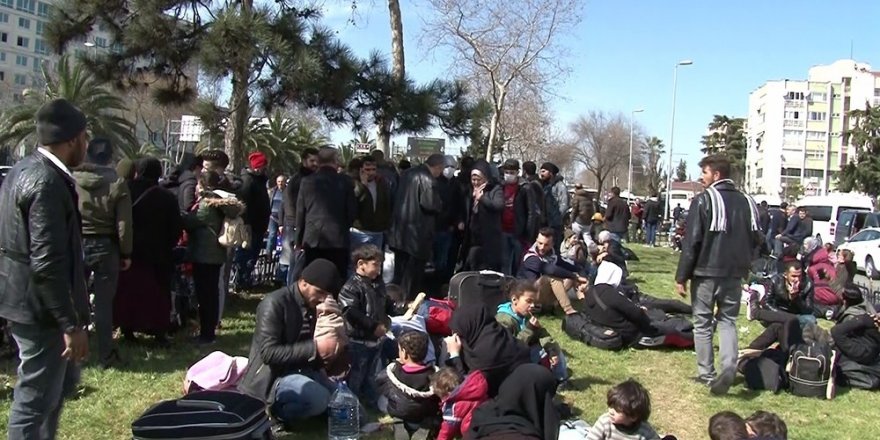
[239,104]
[383,131]
[495,122]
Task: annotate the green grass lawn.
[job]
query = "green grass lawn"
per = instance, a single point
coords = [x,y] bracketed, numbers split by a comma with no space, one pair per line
[109,400]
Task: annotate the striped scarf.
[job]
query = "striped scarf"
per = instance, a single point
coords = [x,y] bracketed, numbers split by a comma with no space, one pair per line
[718,221]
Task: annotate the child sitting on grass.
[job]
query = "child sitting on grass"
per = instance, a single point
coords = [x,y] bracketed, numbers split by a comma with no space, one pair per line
[516,317]
[459,399]
[366,310]
[727,425]
[406,384]
[629,407]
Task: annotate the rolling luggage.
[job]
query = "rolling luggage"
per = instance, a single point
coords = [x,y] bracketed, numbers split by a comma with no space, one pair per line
[479,288]
[205,415]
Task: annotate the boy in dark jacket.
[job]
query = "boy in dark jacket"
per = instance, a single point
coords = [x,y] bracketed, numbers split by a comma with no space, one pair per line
[406,384]
[366,310]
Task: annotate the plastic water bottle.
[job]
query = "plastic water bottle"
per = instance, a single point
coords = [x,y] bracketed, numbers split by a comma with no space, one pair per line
[342,414]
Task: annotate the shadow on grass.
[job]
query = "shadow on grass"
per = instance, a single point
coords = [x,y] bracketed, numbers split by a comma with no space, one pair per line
[582,383]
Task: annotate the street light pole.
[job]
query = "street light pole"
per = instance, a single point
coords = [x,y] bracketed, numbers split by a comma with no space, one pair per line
[629,176]
[672,135]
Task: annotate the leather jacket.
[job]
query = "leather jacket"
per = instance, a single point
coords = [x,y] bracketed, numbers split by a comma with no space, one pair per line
[364,306]
[780,300]
[713,254]
[283,343]
[416,206]
[42,276]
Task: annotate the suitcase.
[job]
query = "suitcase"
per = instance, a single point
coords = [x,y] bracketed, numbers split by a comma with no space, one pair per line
[479,288]
[205,415]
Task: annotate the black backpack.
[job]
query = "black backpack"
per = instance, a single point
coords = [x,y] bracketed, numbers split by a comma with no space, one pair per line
[809,369]
[580,327]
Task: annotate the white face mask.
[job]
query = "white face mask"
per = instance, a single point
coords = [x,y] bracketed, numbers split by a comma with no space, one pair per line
[510,178]
[448,172]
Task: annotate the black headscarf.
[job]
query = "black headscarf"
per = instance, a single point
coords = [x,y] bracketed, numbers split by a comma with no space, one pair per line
[485,344]
[524,405]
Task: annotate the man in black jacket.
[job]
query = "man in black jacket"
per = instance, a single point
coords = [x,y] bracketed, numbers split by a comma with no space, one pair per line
[653,215]
[722,234]
[308,167]
[325,211]
[255,196]
[373,196]
[43,294]
[616,215]
[857,337]
[447,220]
[775,227]
[285,360]
[416,206]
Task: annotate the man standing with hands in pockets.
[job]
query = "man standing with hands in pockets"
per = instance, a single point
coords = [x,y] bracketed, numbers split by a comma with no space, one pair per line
[722,234]
[43,289]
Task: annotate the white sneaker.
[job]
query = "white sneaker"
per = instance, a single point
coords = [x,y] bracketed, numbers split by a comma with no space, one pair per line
[655,341]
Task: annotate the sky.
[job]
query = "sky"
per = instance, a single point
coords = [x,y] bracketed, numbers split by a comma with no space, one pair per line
[623,54]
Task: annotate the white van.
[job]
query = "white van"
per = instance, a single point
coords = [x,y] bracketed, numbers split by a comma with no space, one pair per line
[825,210]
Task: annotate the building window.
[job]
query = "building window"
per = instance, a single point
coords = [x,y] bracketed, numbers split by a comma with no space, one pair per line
[814,173]
[2,76]
[41,47]
[20,80]
[101,42]
[877,93]
[21,60]
[815,155]
[791,134]
[835,115]
[792,115]
[24,23]
[23,42]
[8,3]
[38,63]
[759,173]
[26,5]
[3,36]
[795,95]
[815,135]
[43,9]
[4,17]
[818,116]
[41,27]
[791,172]
[2,57]
[818,96]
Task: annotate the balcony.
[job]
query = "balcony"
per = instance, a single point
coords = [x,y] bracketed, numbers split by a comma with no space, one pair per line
[794,104]
[793,123]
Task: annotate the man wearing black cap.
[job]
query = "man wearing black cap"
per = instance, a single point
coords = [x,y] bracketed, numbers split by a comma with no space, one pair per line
[105,206]
[285,361]
[555,200]
[43,295]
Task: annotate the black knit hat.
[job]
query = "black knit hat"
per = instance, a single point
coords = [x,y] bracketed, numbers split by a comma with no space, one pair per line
[322,274]
[510,165]
[550,167]
[59,121]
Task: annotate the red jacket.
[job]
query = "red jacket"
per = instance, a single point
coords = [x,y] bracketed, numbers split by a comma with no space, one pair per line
[459,406]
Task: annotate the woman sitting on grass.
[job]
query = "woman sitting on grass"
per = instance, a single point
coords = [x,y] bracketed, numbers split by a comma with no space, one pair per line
[516,317]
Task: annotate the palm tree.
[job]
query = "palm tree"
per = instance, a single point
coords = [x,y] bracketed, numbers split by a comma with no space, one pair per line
[282,140]
[72,81]
[653,150]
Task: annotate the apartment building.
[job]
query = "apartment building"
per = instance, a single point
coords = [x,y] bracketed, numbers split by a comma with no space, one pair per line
[797,128]
[23,49]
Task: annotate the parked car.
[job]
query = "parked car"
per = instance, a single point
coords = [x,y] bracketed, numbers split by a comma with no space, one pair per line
[851,222]
[825,210]
[865,246]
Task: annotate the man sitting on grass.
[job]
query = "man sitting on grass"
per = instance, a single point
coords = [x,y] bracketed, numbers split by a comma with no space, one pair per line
[550,273]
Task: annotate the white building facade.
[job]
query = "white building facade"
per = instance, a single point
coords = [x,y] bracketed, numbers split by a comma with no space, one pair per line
[797,128]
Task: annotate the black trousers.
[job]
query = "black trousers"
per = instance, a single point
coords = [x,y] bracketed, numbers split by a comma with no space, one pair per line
[666,305]
[339,258]
[782,327]
[408,273]
[206,278]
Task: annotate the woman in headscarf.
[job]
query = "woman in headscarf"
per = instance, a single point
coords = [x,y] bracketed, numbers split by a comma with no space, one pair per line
[523,409]
[483,207]
[143,298]
[819,268]
[480,343]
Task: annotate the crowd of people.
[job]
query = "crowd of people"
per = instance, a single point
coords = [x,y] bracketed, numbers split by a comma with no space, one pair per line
[69,216]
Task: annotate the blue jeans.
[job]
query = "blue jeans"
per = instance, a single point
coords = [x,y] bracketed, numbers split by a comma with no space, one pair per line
[245,260]
[302,395]
[365,366]
[44,379]
[706,295]
[512,252]
[272,240]
[442,243]
[650,233]
[560,371]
